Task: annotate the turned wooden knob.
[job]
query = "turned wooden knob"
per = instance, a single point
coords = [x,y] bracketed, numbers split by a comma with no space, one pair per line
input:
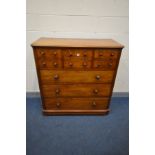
[84,64]
[84,54]
[58,104]
[56,77]
[97,65]
[57,91]
[110,64]
[44,64]
[100,54]
[55,53]
[42,53]
[98,77]
[55,64]
[112,54]
[94,104]
[70,64]
[95,91]
[70,54]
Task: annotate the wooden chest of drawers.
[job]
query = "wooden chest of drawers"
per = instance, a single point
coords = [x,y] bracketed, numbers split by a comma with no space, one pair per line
[76,76]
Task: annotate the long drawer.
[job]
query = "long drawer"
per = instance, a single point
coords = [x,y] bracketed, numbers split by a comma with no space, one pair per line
[76,103]
[76,90]
[49,76]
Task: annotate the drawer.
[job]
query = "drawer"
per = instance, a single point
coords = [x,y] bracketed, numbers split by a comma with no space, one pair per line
[53,64]
[76,103]
[48,53]
[78,53]
[84,90]
[48,77]
[107,53]
[75,63]
[105,64]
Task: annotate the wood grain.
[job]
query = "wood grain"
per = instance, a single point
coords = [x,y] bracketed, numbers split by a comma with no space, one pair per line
[105,64]
[50,76]
[80,90]
[76,103]
[76,76]
[76,112]
[89,43]
[106,53]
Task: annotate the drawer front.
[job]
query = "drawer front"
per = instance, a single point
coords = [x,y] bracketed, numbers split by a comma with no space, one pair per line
[77,64]
[108,65]
[76,103]
[78,53]
[84,90]
[53,64]
[106,53]
[48,53]
[48,77]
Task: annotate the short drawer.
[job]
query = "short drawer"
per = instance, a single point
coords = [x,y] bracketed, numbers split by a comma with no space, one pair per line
[53,64]
[83,90]
[107,53]
[49,76]
[76,103]
[48,53]
[77,64]
[105,64]
[78,53]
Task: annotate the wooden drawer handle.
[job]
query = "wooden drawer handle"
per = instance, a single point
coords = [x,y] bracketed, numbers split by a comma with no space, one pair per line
[94,104]
[98,77]
[112,54]
[100,54]
[56,77]
[110,64]
[97,65]
[42,53]
[58,105]
[55,64]
[70,54]
[44,64]
[55,53]
[84,64]
[95,91]
[85,54]
[70,64]
[57,91]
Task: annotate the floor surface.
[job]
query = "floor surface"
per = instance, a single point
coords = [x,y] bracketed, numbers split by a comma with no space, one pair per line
[78,135]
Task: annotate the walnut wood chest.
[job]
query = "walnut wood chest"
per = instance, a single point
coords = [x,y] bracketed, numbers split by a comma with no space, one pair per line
[76,76]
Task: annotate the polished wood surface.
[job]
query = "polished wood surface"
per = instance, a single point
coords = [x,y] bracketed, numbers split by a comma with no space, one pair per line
[81,90]
[62,76]
[75,112]
[76,76]
[76,103]
[106,53]
[105,64]
[95,43]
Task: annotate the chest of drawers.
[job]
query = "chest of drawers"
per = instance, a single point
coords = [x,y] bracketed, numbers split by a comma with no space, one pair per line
[76,76]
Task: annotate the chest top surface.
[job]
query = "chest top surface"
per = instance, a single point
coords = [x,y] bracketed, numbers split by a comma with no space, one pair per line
[79,43]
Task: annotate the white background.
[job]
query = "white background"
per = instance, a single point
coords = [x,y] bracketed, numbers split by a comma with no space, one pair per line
[78,19]
[13,78]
